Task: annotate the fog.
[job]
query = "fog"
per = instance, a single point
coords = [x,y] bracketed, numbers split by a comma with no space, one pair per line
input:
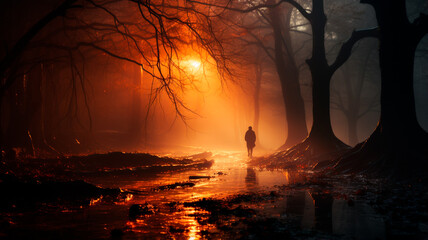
[75,96]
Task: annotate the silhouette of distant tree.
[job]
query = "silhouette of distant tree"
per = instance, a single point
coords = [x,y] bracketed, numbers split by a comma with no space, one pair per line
[360,94]
[288,73]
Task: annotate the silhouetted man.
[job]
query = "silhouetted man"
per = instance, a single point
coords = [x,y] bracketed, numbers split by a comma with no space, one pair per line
[250,138]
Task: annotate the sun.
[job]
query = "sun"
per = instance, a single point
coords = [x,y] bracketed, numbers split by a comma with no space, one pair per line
[193,65]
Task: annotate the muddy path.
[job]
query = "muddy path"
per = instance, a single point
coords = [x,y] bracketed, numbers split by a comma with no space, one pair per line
[227,200]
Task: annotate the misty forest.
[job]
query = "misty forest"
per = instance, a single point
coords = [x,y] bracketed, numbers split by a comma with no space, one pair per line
[214,119]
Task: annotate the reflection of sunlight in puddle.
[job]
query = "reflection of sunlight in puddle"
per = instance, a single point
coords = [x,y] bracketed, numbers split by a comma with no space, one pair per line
[138,226]
[178,223]
[233,179]
[192,225]
[230,175]
[184,223]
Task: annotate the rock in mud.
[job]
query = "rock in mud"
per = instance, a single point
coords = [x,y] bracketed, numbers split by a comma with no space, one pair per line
[173,229]
[200,177]
[141,210]
[174,186]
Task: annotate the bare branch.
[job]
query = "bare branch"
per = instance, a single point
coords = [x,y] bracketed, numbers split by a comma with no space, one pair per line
[295,4]
[28,36]
[345,51]
[299,7]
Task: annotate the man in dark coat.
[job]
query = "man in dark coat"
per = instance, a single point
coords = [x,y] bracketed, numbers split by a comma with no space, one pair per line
[250,138]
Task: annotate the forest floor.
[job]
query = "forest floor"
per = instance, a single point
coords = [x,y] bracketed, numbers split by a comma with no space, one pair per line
[306,205]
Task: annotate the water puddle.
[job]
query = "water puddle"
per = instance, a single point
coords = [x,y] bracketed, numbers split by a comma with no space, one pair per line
[163,210]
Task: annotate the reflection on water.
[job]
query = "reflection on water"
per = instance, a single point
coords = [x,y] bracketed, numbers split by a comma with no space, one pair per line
[251,179]
[359,221]
[228,176]
[320,211]
[323,203]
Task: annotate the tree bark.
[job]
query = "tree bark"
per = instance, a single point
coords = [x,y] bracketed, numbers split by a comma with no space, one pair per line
[396,57]
[398,145]
[289,78]
[321,136]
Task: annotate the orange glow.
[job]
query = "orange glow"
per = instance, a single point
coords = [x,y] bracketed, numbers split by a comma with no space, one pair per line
[195,64]
[192,66]
[193,226]
[95,201]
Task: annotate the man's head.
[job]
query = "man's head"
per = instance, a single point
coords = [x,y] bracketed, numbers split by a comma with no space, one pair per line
[250,128]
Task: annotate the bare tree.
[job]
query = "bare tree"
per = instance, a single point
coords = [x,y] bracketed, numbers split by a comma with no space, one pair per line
[147,34]
[359,94]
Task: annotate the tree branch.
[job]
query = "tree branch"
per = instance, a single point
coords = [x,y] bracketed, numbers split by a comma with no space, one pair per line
[259,6]
[345,50]
[299,8]
[21,44]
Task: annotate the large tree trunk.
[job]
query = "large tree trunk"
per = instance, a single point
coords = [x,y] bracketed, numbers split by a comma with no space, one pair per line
[397,145]
[289,78]
[396,56]
[321,76]
[321,138]
[321,144]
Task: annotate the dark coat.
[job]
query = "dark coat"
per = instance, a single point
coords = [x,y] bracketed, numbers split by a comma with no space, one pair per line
[250,138]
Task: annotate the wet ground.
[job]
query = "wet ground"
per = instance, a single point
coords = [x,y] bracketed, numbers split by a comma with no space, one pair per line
[229,200]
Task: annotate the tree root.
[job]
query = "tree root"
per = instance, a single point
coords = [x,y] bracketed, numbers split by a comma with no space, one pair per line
[374,157]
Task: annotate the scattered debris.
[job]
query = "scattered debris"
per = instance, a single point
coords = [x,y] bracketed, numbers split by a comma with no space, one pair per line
[140,210]
[200,177]
[174,186]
